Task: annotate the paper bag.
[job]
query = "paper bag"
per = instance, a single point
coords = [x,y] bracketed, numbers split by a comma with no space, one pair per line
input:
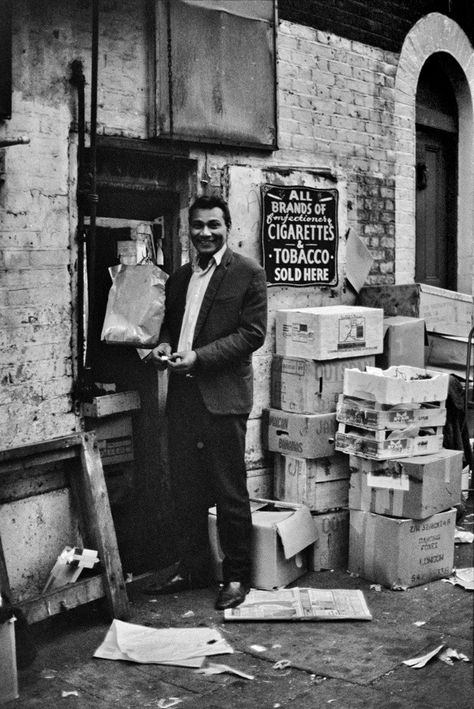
[135,306]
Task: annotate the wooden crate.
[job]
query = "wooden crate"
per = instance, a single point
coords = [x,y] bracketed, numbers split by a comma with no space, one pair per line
[383,444]
[396,385]
[371,415]
[110,404]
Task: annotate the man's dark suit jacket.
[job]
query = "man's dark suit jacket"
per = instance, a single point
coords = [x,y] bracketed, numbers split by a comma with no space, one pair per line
[231,325]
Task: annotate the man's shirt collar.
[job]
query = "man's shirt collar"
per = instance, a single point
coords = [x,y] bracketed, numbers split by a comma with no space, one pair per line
[215,258]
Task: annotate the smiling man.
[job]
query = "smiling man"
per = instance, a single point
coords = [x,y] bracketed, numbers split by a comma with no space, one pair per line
[215,317]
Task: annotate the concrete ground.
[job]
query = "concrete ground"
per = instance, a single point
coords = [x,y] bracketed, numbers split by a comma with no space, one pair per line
[338,664]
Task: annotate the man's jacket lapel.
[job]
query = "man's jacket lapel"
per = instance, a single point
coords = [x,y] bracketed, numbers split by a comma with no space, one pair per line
[211,290]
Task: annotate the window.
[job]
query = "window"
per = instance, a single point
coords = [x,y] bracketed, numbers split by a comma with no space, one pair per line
[216,71]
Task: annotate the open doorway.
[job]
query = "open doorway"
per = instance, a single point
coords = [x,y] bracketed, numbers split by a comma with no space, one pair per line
[436,176]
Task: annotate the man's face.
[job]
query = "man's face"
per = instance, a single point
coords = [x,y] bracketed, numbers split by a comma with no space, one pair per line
[207,230]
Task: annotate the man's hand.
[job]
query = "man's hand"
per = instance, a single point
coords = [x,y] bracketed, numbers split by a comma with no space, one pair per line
[159,355]
[182,362]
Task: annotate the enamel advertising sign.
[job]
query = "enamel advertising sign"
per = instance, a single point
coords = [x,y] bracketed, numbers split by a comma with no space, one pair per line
[299,235]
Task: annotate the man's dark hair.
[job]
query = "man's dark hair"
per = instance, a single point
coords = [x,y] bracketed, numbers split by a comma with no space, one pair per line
[209,202]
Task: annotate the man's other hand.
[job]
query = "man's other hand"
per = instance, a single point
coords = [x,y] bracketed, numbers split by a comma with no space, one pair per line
[159,355]
[182,362]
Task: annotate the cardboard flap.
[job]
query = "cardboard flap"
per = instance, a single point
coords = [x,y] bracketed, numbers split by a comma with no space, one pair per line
[297,532]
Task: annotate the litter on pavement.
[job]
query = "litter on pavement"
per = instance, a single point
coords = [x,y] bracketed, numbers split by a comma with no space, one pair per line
[185,647]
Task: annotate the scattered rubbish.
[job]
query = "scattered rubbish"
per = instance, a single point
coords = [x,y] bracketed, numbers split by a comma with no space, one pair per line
[281,665]
[375,587]
[72,693]
[419,623]
[129,578]
[49,674]
[449,655]
[397,587]
[418,662]
[185,647]
[69,565]
[445,654]
[276,646]
[301,604]
[258,648]
[463,537]
[169,702]
[462,577]
[468,519]
[188,614]
[215,669]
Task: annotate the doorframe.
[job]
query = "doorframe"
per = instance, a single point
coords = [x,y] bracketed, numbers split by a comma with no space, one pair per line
[432,34]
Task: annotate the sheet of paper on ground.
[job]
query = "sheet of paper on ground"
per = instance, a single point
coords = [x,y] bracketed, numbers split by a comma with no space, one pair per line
[186,647]
[302,604]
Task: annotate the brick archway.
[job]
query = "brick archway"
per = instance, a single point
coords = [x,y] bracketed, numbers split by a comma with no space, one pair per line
[433,33]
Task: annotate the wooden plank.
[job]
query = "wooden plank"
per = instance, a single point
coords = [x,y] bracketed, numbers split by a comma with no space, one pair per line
[4,580]
[62,599]
[34,449]
[98,521]
[37,459]
[110,404]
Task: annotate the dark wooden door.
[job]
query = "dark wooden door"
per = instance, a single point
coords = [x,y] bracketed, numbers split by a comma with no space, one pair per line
[436,181]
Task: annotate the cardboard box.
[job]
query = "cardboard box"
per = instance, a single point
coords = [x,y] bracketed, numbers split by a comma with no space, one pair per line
[412,487]
[321,483]
[403,444]
[8,668]
[281,533]
[330,550]
[396,385]
[114,437]
[369,414]
[442,310]
[329,332]
[110,404]
[403,342]
[400,553]
[302,435]
[447,350]
[306,386]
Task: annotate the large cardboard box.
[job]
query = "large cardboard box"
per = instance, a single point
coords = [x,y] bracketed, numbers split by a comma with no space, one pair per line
[330,549]
[329,332]
[114,437]
[411,487]
[306,386]
[369,414]
[403,342]
[447,350]
[281,531]
[442,310]
[396,385]
[321,483]
[400,553]
[302,435]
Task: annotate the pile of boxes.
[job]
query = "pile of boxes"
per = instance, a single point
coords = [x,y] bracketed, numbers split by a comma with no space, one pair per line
[314,346]
[403,484]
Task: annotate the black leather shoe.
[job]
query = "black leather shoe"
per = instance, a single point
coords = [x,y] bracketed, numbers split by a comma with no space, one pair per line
[176,583]
[231,595]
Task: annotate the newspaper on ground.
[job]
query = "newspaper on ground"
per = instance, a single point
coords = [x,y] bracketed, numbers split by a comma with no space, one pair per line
[185,647]
[312,604]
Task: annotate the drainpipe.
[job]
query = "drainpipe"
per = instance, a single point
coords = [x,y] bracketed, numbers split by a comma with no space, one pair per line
[93,200]
[78,80]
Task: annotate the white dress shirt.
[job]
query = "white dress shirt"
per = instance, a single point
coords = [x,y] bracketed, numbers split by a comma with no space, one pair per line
[194,297]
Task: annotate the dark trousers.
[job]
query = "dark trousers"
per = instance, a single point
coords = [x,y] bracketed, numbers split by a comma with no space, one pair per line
[207,464]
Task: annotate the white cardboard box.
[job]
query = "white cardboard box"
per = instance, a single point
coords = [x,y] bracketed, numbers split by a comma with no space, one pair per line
[301,435]
[306,386]
[415,487]
[330,549]
[396,385]
[400,553]
[403,342]
[320,483]
[329,332]
[281,531]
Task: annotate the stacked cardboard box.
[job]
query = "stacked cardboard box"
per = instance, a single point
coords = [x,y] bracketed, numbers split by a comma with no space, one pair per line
[402,491]
[314,346]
